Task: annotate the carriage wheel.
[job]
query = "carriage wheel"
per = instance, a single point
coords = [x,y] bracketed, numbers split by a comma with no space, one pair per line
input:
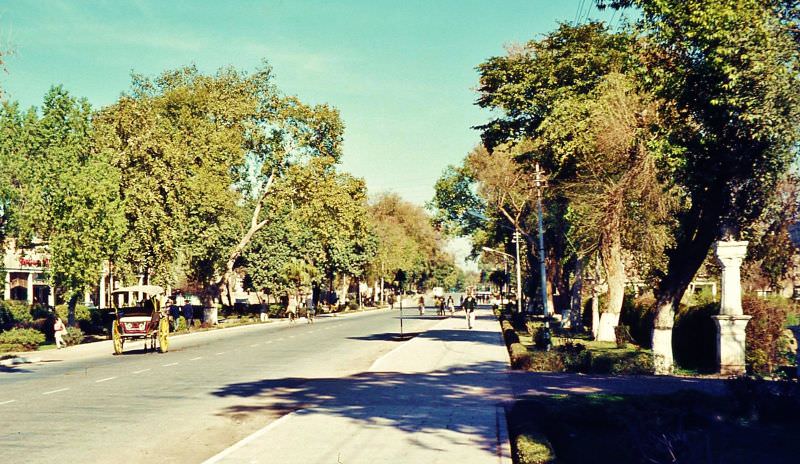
[117,337]
[163,335]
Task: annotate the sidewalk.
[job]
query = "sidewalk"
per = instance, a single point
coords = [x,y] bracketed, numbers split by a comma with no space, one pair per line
[437,398]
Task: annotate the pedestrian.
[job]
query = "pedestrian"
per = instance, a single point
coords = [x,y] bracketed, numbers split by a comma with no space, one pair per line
[291,309]
[451,305]
[174,313]
[59,330]
[469,306]
[421,303]
[310,310]
[188,313]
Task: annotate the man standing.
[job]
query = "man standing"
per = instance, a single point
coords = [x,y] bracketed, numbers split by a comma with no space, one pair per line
[469,305]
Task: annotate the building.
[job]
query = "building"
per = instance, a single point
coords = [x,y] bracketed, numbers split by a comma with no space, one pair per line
[26,274]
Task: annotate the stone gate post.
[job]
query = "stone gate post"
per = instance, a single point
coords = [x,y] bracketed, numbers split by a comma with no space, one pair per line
[731,321]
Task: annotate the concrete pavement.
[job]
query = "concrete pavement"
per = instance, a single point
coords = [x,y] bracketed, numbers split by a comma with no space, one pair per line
[438,398]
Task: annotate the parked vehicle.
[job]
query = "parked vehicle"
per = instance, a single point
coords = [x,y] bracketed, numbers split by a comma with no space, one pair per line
[147,320]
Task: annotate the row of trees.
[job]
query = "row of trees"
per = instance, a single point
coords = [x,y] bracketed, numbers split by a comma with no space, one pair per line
[658,139]
[192,179]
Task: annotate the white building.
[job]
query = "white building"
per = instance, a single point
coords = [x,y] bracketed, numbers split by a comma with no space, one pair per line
[26,274]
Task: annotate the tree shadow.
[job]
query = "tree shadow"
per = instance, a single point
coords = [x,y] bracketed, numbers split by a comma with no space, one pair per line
[14,370]
[461,399]
[526,384]
[387,337]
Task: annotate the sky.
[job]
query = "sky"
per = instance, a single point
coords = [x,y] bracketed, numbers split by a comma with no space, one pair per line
[401,73]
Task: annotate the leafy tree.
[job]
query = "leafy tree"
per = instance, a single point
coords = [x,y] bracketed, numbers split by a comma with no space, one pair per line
[68,196]
[729,69]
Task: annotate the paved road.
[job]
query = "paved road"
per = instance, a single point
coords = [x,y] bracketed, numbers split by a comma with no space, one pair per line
[170,407]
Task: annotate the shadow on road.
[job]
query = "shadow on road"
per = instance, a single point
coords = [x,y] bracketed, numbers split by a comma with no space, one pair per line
[412,403]
[387,337]
[14,370]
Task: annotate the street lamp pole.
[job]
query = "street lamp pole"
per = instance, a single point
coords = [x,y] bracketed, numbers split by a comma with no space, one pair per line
[540,183]
[519,275]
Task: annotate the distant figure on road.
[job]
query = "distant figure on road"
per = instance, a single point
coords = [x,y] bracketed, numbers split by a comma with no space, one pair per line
[59,330]
[451,305]
[174,313]
[421,305]
[469,306]
[291,309]
[188,313]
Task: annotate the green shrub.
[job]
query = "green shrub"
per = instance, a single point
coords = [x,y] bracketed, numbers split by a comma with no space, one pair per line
[82,313]
[14,312]
[547,361]
[181,326]
[509,334]
[520,356]
[764,332]
[28,339]
[638,315]
[74,336]
[694,337]
[534,448]
[352,305]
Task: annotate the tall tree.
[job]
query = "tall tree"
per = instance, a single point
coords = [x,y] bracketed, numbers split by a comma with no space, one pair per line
[730,69]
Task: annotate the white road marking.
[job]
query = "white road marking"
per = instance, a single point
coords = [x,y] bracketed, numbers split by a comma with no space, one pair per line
[104,380]
[6,402]
[55,391]
[292,336]
[254,345]
[170,364]
[268,342]
[197,358]
[255,436]
[220,353]
[140,371]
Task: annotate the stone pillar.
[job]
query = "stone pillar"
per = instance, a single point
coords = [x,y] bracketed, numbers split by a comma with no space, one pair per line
[101,300]
[731,322]
[30,288]
[7,287]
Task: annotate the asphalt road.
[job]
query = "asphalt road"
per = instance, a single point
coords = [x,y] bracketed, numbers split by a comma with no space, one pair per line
[151,407]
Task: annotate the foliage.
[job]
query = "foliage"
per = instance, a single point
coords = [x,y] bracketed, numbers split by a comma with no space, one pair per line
[27,339]
[14,312]
[74,336]
[181,325]
[533,448]
[764,334]
[679,427]
[520,356]
[694,337]
[622,336]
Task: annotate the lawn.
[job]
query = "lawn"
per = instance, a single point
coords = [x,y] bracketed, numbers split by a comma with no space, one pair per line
[755,425]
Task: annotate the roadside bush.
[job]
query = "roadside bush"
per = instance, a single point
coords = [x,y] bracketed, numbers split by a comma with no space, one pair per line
[14,312]
[547,361]
[352,305]
[638,315]
[694,337]
[181,325]
[534,448]
[764,333]
[82,313]
[26,339]
[74,336]
[520,357]
[509,334]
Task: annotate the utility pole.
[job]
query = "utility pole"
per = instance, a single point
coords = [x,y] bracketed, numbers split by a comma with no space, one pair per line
[540,183]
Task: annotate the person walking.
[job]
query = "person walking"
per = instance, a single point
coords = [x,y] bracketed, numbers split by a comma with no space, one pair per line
[188,313]
[421,303]
[469,305]
[291,309]
[451,305]
[59,330]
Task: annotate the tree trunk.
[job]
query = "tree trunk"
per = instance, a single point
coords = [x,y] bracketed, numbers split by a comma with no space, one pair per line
[684,261]
[345,288]
[611,256]
[576,293]
[73,301]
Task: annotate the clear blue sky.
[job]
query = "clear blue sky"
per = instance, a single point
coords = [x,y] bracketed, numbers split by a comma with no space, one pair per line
[402,73]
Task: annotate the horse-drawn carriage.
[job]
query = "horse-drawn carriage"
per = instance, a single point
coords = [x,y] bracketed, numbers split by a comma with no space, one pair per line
[146,320]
